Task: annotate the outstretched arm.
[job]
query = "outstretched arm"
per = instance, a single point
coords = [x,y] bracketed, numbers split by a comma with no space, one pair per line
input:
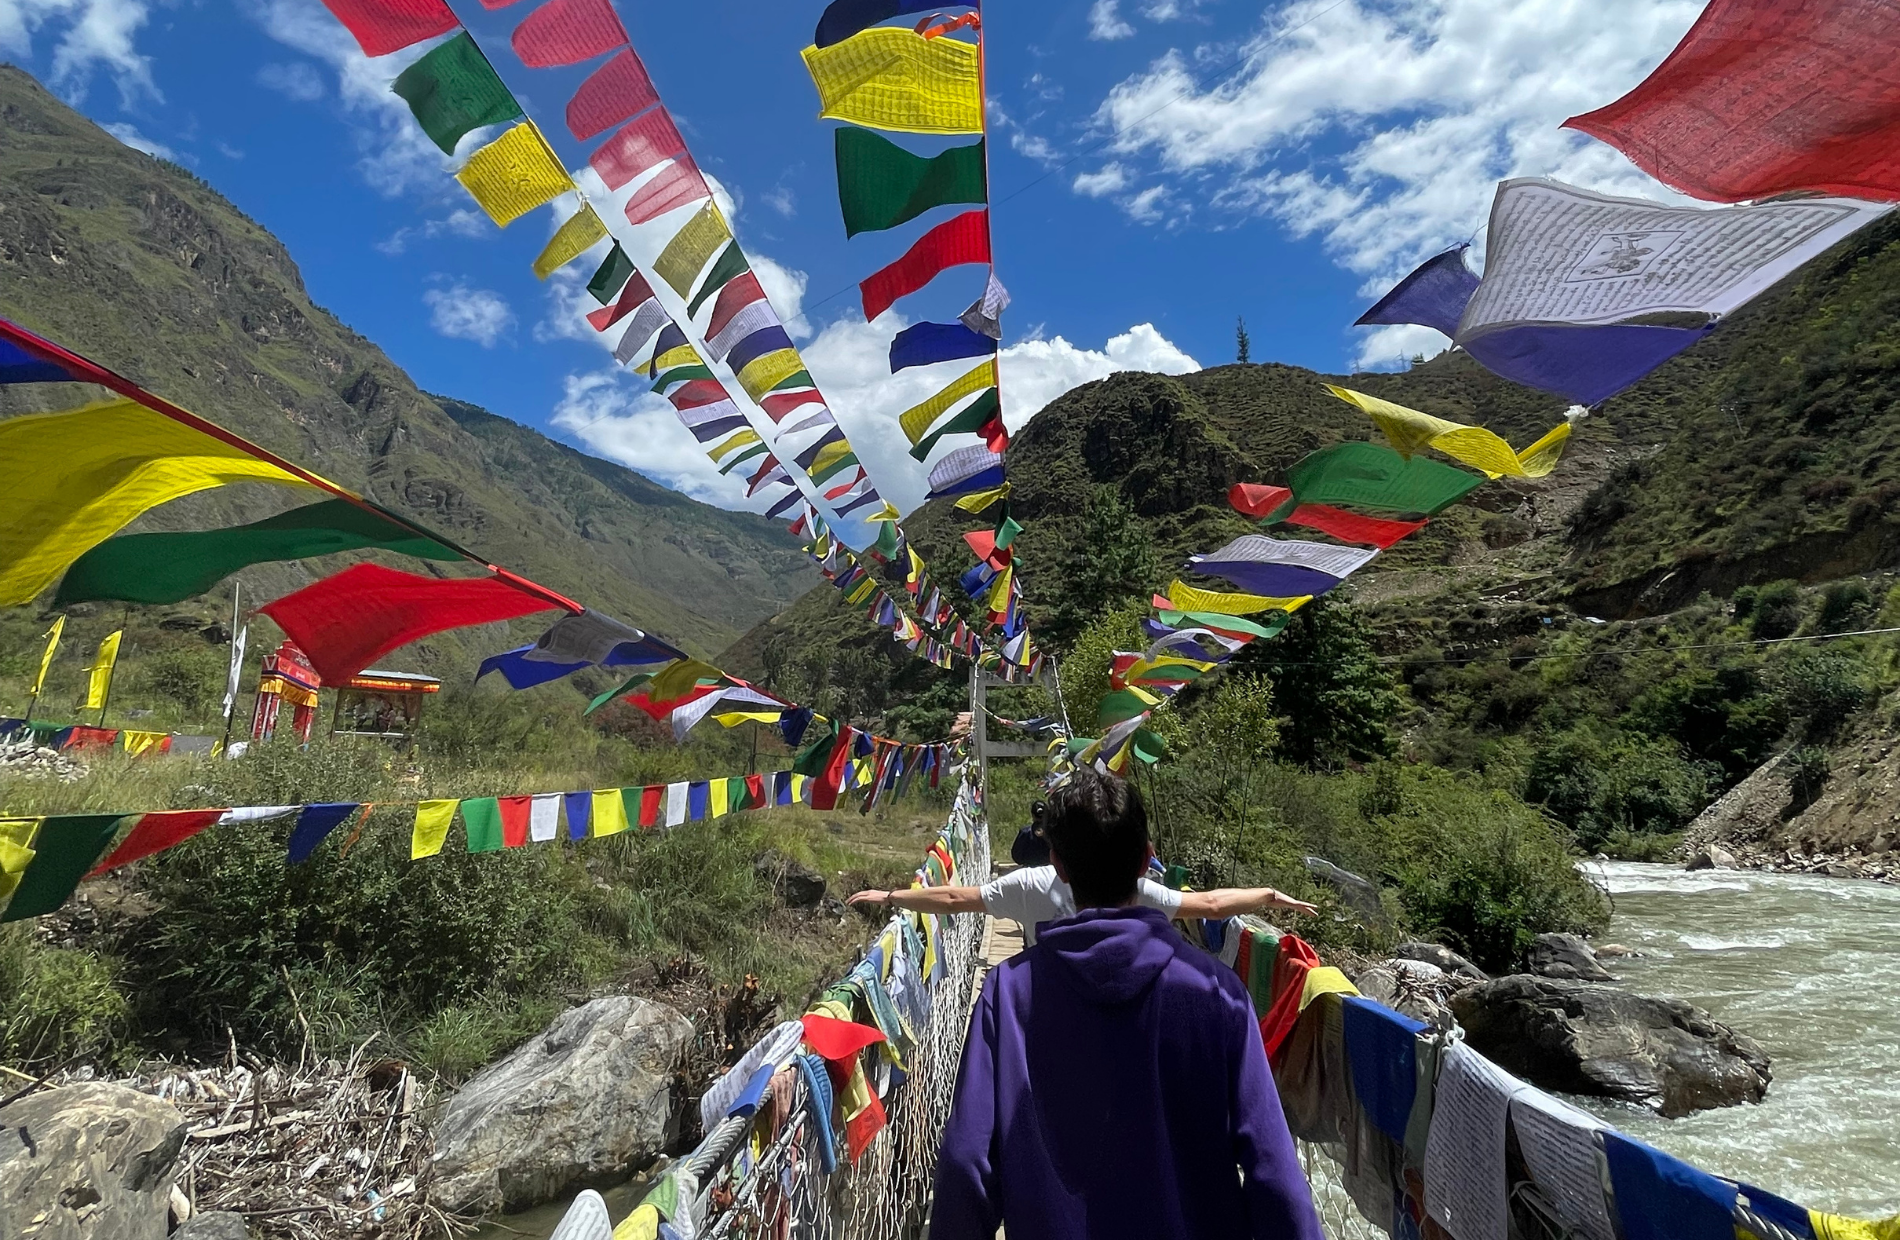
[925,899]
[1225,902]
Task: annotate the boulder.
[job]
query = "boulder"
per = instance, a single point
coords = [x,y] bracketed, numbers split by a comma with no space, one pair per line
[1712,857]
[1445,958]
[217,1225]
[586,1101]
[1565,956]
[796,883]
[1588,1038]
[88,1162]
[1412,987]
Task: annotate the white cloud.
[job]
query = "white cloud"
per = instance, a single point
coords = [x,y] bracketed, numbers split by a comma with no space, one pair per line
[130,135]
[1163,10]
[97,34]
[1382,128]
[782,200]
[1111,179]
[463,313]
[1392,346]
[461,222]
[1105,23]
[614,415]
[298,80]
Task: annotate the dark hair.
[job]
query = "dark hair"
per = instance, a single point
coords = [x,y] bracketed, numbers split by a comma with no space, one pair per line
[1096,824]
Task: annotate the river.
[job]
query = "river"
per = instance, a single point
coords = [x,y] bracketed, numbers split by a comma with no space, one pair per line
[1810,968]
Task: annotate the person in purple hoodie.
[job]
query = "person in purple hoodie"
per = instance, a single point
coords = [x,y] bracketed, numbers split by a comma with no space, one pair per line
[1113,1083]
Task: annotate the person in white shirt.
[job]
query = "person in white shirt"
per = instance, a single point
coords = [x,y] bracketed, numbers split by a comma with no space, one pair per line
[1035,894]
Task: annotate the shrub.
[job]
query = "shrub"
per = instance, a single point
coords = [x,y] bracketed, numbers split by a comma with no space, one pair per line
[1808,771]
[1822,686]
[58,1004]
[192,678]
[1844,605]
[1776,611]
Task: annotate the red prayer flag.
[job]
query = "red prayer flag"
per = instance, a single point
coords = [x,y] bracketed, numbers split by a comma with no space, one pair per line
[566,32]
[961,239]
[1257,501]
[618,89]
[862,1128]
[1290,967]
[836,491]
[1762,97]
[755,792]
[652,798]
[677,184]
[740,291]
[778,404]
[84,737]
[824,789]
[634,294]
[155,833]
[637,146]
[1350,526]
[983,542]
[696,392]
[995,434]
[346,621]
[385,26]
[514,820]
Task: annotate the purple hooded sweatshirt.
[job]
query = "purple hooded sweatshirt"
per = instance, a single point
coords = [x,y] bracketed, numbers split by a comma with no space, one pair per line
[1114,1085]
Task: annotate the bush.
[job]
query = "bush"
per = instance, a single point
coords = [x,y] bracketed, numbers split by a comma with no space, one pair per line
[192,678]
[1822,686]
[1808,771]
[58,1004]
[1597,782]
[1844,605]
[1339,701]
[1776,610]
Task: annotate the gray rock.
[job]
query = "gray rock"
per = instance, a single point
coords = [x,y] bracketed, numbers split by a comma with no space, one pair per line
[584,1102]
[88,1162]
[217,1225]
[1445,958]
[796,883]
[1712,857]
[1411,987]
[1360,893]
[1588,1038]
[1566,956]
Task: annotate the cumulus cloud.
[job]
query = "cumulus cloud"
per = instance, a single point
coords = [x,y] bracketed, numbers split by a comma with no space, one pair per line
[614,414]
[130,135]
[463,313]
[94,34]
[1111,178]
[1384,348]
[298,80]
[461,222]
[1105,22]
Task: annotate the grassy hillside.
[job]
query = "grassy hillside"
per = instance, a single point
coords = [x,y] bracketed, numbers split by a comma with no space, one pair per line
[144,267]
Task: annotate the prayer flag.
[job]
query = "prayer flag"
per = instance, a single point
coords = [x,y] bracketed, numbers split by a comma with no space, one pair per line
[1370,475]
[962,239]
[741,292]
[719,800]
[680,374]
[985,315]
[16,852]
[766,340]
[64,848]
[881,185]
[19,366]
[1352,526]
[1282,566]
[346,621]
[514,813]
[572,239]
[975,468]
[99,680]
[610,812]
[453,90]
[977,501]
[916,420]
[566,32]
[1765,97]
[612,93]
[698,795]
[1408,430]
[73,479]
[614,271]
[580,813]
[754,318]
[432,827]
[314,823]
[821,418]
[649,318]
[1253,500]
[890,78]
[670,348]
[763,374]
[384,26]
[730,265]
[640,144]
[686,254]
[544,817]
[154,833]
[920,344]
[1434,295]
[514,174]
[675,804]
[979,416]
[844,18]
[652,805]
[481,819]
[673,187]
[46,658]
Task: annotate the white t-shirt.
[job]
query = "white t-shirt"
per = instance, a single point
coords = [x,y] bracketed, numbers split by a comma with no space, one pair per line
[1035,894]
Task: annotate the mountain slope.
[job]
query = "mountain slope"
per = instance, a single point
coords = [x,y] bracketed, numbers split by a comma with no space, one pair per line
[142,266]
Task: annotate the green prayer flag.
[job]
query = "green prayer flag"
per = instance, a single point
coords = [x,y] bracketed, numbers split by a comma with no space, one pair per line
[749,453]
[800,380]
[65,848]
[454,90]
[627,686]
[482,818]
[880,184]
[737,794]
[887,539]
[169,568]
[1150,747]
[836,467]
[1271,627]
[1006,532]
[614,271]
[680,374]
[728,266]
[812,760]
[971,420]
[1373,476]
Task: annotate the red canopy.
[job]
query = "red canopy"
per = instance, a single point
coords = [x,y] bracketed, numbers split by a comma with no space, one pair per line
[1766,96]
[346,622]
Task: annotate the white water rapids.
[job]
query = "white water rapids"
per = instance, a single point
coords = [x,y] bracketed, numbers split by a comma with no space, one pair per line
[1808,967]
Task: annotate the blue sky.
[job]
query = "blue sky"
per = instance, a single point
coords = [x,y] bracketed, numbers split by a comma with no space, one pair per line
[1158,168]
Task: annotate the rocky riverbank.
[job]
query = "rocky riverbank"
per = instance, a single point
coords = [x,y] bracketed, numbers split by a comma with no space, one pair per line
[1837,819]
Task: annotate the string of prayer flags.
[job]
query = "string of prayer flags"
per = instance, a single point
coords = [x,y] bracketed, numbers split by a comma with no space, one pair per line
[169,568]
[881,185]
[566,32]
[1434,295]
[1763,98]
[923,343]
[453,91]
[62,848]
[890,78]
[916,421]
[344,622]
[959,240]
[384,26]
[514,174]
[844,18]
[616,91]
[1281,566]
[1408,431]
[576,235]
[76,477]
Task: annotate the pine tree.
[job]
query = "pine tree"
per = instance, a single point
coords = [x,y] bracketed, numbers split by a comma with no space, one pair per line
[1241,340]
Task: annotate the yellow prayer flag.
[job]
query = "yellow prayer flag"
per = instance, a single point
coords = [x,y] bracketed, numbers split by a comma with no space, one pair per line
[718,802]
[70,480]
[917,419]
[738,439]
[46,659]
[1541,457]
[888,77]
[514,174]
[570,241]
[679,677]
[977,501]
[1841,1227]
[678,355]
[136,743]
[798,788]
[99,686]
[692,247]
[886,511]
[1409,431]
[1324,981]
[433,819]
[830,455]
[999,591]
[733,718]
[1187,598]
[610,812]
[16,851]
[642,1224]
[762,374]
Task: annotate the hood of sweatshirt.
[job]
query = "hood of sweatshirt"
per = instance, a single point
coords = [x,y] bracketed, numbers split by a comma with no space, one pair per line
[1111,954]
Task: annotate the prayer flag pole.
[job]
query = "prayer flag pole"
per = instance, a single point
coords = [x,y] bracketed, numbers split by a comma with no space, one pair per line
[232,669]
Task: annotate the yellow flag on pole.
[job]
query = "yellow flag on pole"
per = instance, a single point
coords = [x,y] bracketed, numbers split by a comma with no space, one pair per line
[101,682]
[46,660]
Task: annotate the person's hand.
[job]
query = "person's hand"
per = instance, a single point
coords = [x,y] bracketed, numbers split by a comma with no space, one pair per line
[1279,899]
[868,897]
